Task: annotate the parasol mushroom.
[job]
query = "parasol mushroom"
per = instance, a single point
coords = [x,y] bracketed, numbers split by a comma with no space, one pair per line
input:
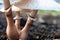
[12,31]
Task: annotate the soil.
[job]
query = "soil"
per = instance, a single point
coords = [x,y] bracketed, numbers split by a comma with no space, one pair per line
[38,31]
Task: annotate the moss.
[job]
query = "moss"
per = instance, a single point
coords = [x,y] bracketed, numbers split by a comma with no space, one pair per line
[49,11]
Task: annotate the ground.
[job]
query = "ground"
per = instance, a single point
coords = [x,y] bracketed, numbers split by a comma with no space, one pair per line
[46,30]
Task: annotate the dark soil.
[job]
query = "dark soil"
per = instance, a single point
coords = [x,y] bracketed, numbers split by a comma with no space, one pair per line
[38,31]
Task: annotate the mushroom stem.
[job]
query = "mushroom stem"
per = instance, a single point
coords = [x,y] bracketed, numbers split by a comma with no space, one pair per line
[17,21]
[29,21]
[11,30]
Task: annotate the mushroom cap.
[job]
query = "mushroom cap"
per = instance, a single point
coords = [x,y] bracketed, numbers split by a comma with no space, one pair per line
[14,8]
[27,4]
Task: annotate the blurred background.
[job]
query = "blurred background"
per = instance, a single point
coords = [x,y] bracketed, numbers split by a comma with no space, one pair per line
[45,27]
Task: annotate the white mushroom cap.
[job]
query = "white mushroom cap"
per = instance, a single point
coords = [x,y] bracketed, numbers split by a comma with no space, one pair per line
[14,8]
